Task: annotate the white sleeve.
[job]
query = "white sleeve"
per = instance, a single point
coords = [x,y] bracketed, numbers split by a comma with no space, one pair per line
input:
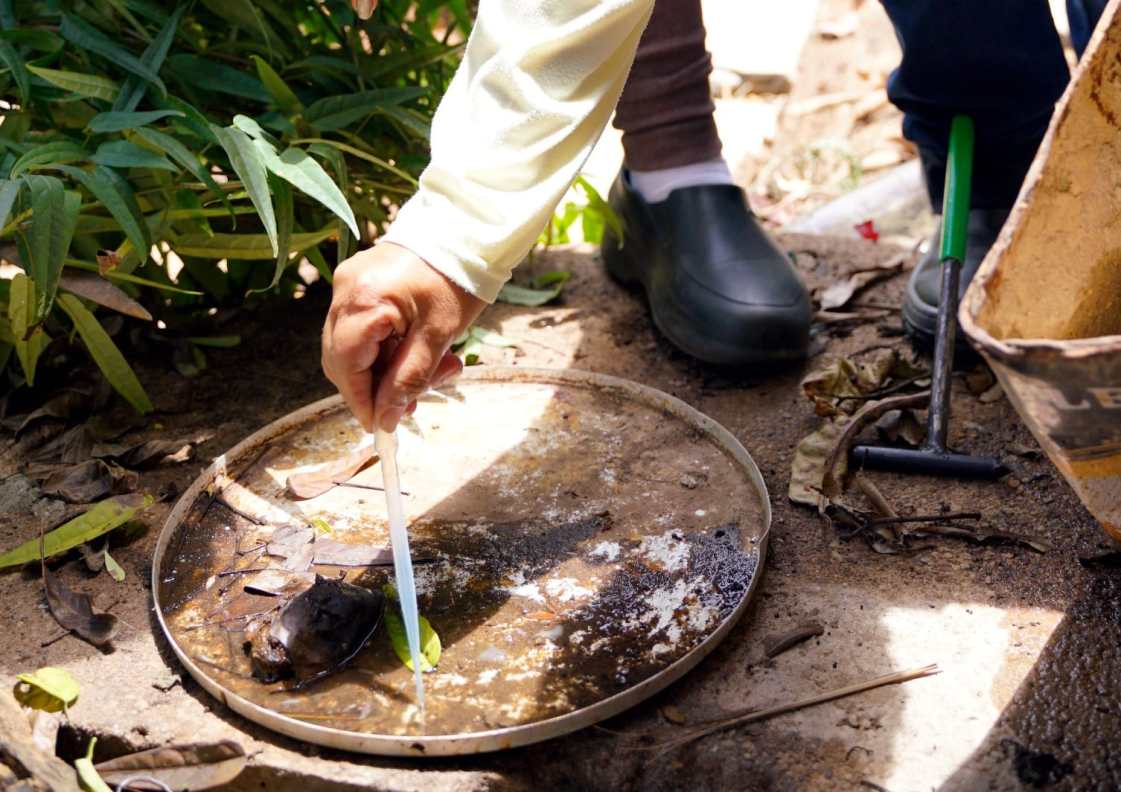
[538,83]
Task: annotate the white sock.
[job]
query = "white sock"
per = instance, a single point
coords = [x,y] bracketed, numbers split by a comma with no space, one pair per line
[656,185]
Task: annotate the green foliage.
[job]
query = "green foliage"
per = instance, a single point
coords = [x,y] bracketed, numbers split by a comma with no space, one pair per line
[231,137]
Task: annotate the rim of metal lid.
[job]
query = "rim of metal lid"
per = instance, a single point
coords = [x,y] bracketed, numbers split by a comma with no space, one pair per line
[495,739]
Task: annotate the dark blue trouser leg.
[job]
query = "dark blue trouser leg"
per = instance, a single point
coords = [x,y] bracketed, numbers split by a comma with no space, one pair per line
[999,61]
[1083,15]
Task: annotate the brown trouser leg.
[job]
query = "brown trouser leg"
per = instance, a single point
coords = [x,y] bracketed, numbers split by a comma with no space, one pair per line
[666,110]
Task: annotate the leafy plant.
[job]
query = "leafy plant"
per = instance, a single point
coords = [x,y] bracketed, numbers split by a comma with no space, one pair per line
[189,154]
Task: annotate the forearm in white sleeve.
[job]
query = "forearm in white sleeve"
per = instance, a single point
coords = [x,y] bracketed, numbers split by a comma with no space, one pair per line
[537,85]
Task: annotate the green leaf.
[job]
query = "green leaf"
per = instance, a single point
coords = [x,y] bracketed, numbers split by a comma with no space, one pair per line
[49,689]
[103,123]
[601,210]
[88,85]
[336,112]
[88,777]
[304,173]
[471,351]
[18,69]
[124,154]
[246,160]
[54,216]
[114,192]
[89,38]
[218,342]
[214,77]
[491,338]
[430,647]
[123,277]
[277,88]
[29,343]
[285,221]
[135,87]
[105,354]
[59,152]
[9,191]
[115,570]
[342,181]
[181,154]
[97,521]
[247,247]
[325,528]
[546,290]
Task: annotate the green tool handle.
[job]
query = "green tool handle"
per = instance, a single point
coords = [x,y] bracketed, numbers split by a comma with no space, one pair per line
[959,178]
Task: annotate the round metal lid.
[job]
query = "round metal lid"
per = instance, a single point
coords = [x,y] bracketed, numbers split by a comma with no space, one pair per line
[580,542]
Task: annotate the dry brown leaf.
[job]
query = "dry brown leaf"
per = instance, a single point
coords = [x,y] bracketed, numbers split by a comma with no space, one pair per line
[96,289]
[774,645]
[808,467]
[315,483]
[672,714]
[74,611]
[194,766]
[88,481]
[838,294]
[334,553]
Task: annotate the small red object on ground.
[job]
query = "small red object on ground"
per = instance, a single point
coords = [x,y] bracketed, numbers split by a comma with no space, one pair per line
[867,230]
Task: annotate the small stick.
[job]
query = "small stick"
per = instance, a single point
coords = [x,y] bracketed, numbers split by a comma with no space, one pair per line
[361,486]
[753,716]
[780,643]
[872,492]
[243,514]
[241,571]
[922,518]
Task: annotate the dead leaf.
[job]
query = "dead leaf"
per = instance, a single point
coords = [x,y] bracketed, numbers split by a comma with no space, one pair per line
[332,552]
[95,559]
[74,611]
[288,540]
[96,289]
[107,261]
[672,714]
[315,483]
[901,426]
[66,406]
[979,380]
[144,455]
[193,766]
[89,481]
[993,394]
[838,294]
[808,467]
[279,583]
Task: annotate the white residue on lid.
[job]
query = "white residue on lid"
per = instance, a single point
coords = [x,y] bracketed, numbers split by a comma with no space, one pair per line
[486,676]
[566,589]
[607,476]
[608,551]
[520,588]
[665,550]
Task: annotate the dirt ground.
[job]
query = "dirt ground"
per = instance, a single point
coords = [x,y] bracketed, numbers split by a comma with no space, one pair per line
[1029,643]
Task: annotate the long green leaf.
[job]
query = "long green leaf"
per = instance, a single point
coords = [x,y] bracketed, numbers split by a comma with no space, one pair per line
[342,180]
[122,277]
[183,155]
[246,247]
[336,112]
[87,37]
[9,191]
[277,88]
[103,123]
[18,69]
[105,354]
[58,153]
[100,519]
[214,77]
[124,154]
[304,173]
[430,647]
[250,167]
[134,88]
[109,187]
[88,85]
[29,343]
[54,216]
[285,221]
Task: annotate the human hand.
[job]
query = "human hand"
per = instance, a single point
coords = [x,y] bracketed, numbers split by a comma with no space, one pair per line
[364,8]
[387,334]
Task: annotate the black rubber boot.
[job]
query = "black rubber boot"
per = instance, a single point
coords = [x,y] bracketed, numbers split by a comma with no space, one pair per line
[920,303]
[718,287]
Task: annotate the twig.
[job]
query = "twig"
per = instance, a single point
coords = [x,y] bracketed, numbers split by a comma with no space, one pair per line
[778,644]
[867,414]
[361,486]
[241,571]
[872,492]
[239,512]
[921,518]
[886,391]
[753,716]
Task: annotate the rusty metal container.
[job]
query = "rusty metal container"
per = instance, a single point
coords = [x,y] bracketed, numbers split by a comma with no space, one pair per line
[1045,307]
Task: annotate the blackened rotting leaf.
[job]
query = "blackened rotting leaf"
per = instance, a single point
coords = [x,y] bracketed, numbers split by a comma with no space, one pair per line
[1105,561]
[74,611]
[317,633]
[147,454]
[1036,768]
[89,481]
